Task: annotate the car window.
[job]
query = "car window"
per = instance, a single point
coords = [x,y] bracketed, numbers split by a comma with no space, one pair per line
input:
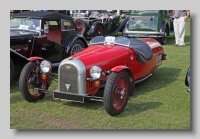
[67,25]
[25,24]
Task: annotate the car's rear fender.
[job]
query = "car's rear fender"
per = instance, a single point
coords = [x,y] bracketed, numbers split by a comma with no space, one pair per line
[73,39]
[93,26]
[165,25]
[131,77]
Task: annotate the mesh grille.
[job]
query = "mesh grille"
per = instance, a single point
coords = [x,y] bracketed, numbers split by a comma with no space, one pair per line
[68,77]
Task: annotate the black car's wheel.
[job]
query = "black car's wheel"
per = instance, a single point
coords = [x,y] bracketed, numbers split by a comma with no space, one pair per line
[98,31]
[163,39]
[116,93]
[30,79]
[77,46]
[81,26]
[12,70]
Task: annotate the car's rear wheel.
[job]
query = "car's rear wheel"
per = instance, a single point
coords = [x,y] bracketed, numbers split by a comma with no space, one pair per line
[29,80]
[81,26]
[98,31]
[12,70]
[116,93]
[76,47]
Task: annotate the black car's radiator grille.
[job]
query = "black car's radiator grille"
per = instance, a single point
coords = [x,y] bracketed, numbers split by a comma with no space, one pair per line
[68,79]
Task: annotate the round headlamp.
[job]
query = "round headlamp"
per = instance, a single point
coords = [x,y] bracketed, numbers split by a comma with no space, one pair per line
[45,66]
[95,72]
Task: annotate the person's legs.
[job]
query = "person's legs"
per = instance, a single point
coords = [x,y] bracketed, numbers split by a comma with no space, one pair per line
[182,27]
[176,30]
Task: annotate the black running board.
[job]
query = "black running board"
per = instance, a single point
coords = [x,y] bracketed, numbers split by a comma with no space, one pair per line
[143,79]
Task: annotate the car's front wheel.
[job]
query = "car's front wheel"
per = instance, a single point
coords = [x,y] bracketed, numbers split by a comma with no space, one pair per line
[30,81]
[116,93]
[76,47]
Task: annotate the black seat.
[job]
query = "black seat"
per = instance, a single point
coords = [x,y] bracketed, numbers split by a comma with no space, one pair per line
[143,50]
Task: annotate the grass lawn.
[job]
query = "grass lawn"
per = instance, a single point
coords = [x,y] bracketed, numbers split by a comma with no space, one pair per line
[160,102]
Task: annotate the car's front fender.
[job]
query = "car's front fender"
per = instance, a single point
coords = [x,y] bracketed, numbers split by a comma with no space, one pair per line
[91,30]
[131,76]
[74,38]
[163,26]
[34,58]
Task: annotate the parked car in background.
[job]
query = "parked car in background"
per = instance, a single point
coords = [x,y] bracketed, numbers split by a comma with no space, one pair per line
[35,34]
[149,23]
[113,63]
[98,22]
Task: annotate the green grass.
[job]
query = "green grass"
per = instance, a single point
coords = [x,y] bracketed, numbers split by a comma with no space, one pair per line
[161,102]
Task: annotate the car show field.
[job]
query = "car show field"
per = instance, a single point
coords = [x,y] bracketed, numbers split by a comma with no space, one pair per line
[159,102]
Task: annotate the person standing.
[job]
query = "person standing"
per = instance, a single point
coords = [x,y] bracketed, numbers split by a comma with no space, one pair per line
[180,18]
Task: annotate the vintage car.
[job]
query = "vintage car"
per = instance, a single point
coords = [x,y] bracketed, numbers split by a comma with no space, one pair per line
[149,23]
[35,34]
[93,23]
[113,63]
[187,79]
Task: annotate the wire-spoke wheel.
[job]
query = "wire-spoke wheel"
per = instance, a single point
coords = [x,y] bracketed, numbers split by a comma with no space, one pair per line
[116,93]
[30,81]
[76,47]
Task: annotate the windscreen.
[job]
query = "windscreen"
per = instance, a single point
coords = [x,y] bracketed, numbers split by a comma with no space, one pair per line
[110,40]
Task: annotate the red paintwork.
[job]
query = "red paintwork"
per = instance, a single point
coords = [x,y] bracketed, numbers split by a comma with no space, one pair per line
[116,58]
[35,58]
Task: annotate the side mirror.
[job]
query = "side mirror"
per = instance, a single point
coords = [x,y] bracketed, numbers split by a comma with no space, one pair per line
[123,16]
[46,28]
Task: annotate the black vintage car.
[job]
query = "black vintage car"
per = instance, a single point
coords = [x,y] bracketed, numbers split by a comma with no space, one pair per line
[35,34]
[93,23]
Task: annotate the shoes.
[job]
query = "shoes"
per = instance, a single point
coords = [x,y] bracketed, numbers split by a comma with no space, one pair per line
[180,45]
[175,44]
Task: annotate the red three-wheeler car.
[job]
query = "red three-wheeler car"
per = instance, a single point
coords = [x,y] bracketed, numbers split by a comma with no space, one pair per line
[114,63]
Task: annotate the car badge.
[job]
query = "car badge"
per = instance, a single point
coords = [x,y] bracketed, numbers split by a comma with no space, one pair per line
[68,67]
[67,86]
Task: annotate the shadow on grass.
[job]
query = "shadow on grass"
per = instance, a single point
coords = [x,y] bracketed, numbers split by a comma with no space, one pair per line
[135,108]
[161,77]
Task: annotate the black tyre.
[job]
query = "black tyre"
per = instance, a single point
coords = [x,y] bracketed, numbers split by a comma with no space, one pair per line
[81,26]
[163,39]
[12,70]
[98,31]
[29,79]
[116,93]
[76,47]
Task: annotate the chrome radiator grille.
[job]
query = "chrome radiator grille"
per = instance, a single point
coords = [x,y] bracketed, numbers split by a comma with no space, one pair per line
[68,79]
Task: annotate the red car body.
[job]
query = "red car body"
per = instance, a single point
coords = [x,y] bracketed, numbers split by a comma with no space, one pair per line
[116,64]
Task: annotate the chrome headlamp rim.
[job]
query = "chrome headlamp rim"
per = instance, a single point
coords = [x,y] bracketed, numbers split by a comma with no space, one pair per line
[45,66]
[95,72]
